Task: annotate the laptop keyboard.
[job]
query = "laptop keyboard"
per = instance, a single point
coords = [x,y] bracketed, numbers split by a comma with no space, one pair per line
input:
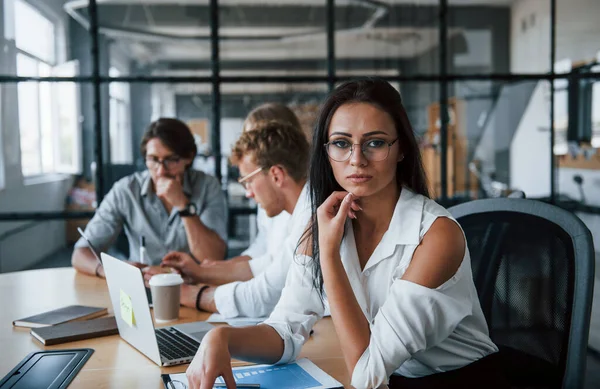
[174,344]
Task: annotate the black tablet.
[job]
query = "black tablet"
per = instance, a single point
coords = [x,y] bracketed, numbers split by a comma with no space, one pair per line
[51,369]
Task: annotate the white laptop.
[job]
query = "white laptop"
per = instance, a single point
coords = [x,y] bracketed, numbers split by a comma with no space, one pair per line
[165,346]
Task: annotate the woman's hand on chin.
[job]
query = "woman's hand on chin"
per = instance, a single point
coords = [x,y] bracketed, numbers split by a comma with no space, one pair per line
[331,217]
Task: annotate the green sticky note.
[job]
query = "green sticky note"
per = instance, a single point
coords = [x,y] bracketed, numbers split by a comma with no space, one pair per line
[127,309]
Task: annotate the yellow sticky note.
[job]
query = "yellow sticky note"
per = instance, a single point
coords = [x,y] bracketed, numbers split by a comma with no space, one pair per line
[127,309]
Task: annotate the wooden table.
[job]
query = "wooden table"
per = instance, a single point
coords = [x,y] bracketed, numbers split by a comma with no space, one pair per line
[114,363]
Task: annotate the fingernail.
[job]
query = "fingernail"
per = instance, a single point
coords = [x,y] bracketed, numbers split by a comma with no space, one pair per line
[348,197]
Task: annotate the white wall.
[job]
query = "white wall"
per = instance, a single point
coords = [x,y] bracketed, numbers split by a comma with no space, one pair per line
[529,149]
[577,39]
[163,101]
[577,36]
[530,36]
[577,32]
[24,243]
[591,190]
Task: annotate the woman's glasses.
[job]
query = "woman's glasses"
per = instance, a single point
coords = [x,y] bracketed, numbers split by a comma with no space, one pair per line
[374,150]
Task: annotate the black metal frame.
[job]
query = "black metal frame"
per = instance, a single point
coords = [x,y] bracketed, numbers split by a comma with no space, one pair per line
[305,79]
[98,147]
[552,73]
[330,79]
[444,118]
[215,135]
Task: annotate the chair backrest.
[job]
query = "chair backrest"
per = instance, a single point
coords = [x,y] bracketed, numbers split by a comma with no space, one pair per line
[517,194]
[533,267]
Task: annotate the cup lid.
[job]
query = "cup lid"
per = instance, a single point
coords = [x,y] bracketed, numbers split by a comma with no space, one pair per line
[167,279]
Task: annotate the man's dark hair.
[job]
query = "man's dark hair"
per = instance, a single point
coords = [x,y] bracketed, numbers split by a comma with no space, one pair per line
[174,134]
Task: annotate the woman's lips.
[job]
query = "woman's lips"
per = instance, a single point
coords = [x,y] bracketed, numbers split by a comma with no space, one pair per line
[359,178]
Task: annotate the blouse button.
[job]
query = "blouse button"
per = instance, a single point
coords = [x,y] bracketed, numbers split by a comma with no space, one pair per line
[367,273]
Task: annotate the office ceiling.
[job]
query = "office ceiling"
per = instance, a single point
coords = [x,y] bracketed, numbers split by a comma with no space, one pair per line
[295,2]
[178,31]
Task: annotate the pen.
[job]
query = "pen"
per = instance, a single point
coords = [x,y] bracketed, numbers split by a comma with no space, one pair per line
[238,386]
[142,250]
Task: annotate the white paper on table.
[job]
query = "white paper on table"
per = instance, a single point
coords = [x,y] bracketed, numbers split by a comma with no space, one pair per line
[323,380]
[249,321]
[237,321]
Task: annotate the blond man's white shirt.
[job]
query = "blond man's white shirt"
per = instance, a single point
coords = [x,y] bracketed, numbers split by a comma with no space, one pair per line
[268,241]
[258,296]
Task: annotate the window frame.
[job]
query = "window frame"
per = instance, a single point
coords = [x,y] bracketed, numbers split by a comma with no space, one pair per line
[120,101]
[2,163]
[56,167]
[590,85]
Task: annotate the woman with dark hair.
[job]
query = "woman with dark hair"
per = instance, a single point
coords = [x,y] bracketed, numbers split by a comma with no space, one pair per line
[393,264]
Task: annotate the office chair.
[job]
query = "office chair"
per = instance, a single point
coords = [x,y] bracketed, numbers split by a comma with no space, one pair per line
[517,194]
[533,267]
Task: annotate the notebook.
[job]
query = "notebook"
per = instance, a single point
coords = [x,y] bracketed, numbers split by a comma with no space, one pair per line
[302,374]
[77,330]
[61,315]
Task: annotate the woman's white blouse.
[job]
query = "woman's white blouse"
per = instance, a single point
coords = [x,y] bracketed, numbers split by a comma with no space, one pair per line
[415,331]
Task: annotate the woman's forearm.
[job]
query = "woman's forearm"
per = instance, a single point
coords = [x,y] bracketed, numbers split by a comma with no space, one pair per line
[259,344]
[348,318]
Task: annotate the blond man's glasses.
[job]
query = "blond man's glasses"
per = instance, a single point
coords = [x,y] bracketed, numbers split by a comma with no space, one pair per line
[247,179]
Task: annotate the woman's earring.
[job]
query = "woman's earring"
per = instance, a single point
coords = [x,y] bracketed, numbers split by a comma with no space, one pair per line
[401,158]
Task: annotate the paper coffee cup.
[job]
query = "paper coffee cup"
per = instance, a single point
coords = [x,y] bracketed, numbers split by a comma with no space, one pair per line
[165,289]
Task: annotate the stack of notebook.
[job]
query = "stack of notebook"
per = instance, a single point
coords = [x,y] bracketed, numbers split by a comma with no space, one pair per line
[69,324]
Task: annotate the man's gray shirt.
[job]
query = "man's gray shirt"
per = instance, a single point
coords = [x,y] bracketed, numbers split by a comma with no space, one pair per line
[133,204]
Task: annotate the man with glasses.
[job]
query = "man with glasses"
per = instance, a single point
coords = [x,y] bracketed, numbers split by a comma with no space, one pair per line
[167,207]
[273,162]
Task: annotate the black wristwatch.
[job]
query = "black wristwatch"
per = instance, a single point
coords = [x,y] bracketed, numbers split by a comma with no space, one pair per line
[189,210]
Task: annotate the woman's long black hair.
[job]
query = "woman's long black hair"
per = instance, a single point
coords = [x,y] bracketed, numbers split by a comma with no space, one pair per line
[322,183]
